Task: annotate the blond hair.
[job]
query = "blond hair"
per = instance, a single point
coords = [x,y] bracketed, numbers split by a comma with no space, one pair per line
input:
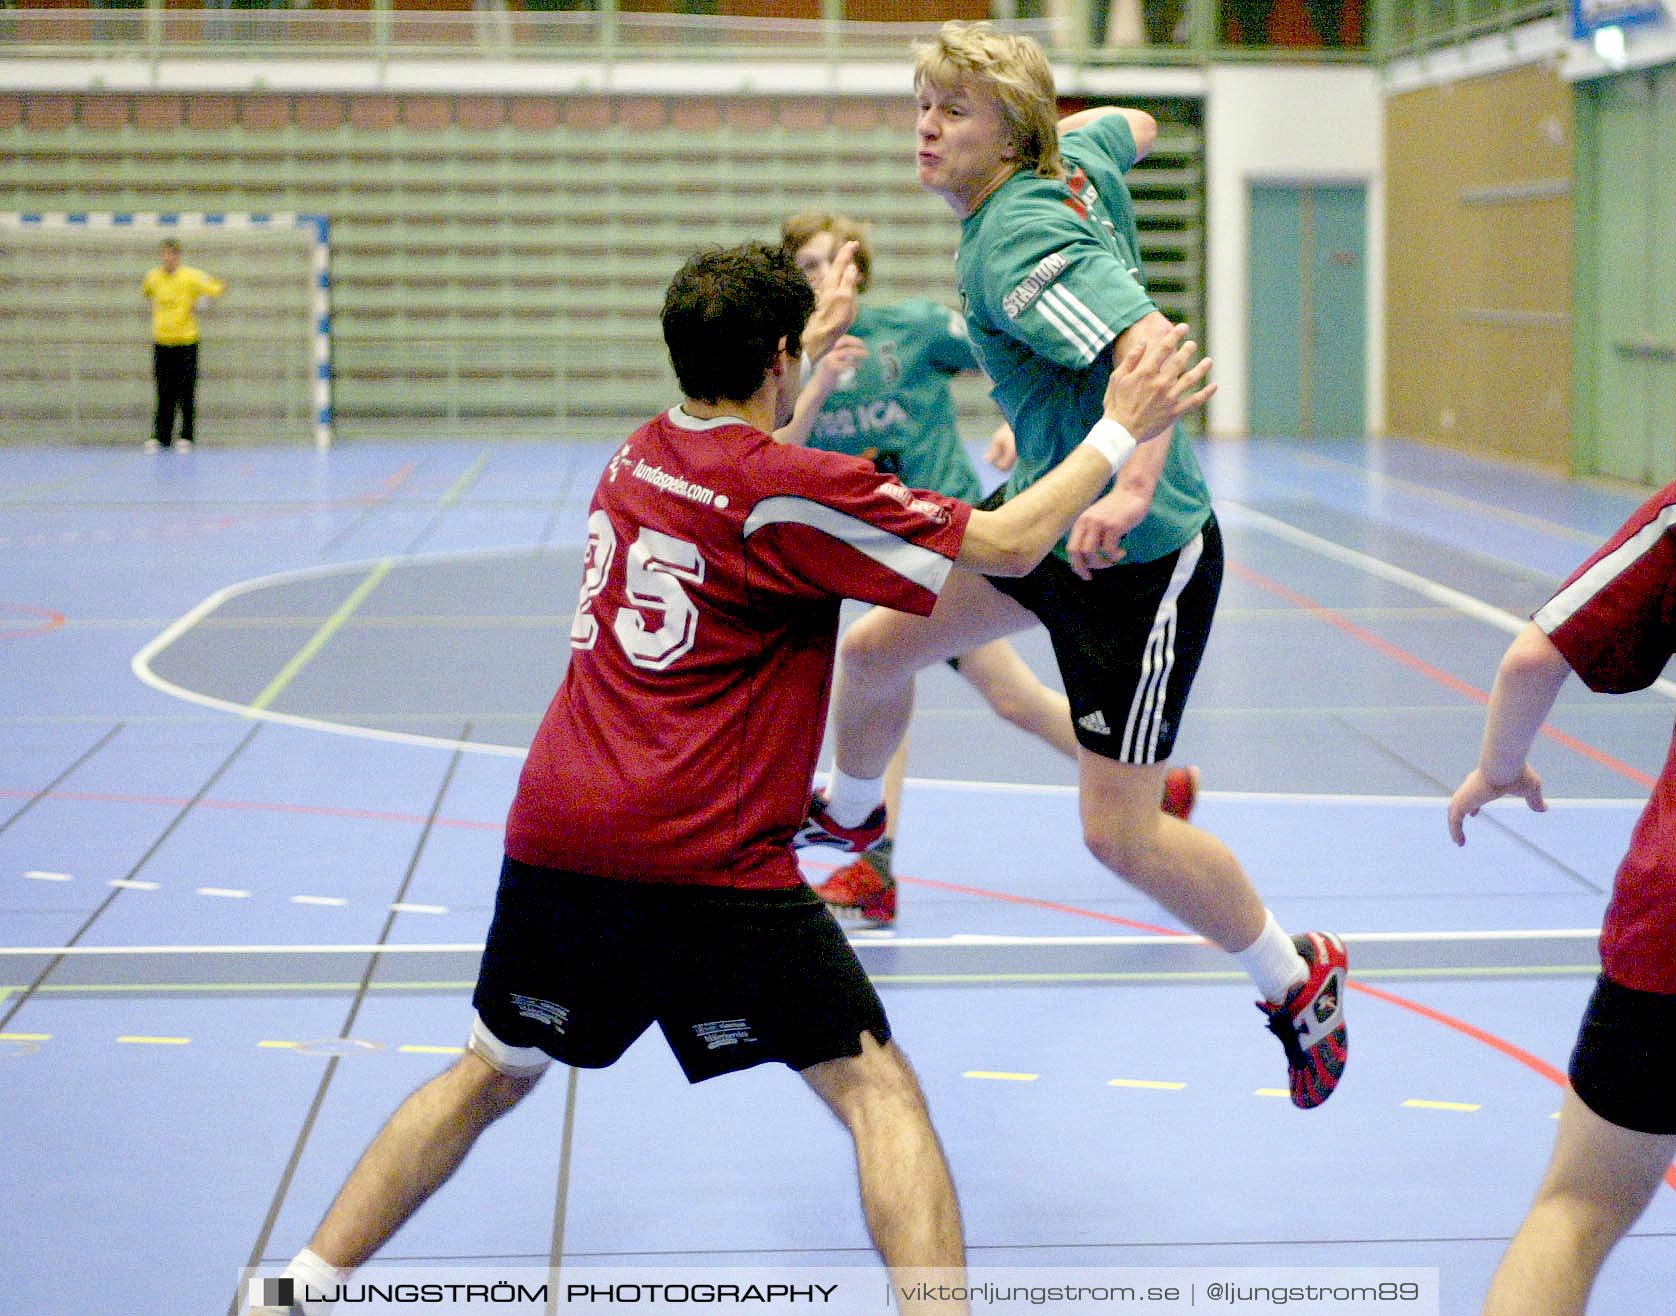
[807,225]
[1014,69]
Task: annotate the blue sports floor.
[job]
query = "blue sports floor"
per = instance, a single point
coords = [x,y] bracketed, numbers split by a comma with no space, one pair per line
[260,718]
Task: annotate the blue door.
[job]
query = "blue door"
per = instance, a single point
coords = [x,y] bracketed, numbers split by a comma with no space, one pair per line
[1308,310]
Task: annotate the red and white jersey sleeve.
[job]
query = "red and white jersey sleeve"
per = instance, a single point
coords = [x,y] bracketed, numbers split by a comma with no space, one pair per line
[1615,618]
[1615,622]
[681,745]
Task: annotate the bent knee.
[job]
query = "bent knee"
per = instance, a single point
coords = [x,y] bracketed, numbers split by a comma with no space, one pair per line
[878,1085]
[1131,852]
[870,648]
[884,644]
[1011,707]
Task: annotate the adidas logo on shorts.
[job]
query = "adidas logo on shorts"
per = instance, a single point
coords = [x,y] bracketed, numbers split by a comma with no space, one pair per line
[1095,722]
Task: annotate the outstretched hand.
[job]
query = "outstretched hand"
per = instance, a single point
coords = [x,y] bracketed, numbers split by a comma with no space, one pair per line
[1477,791]
[836,303]
[1156,384]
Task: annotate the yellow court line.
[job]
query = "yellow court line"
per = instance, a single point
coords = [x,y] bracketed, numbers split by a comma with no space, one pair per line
[433,1050]
[318,641]
[153,1041]
[1150,1083]
[25,1037]
[1000,1074]
[1271,1092]
[1414,1103]
[457,490]
[279,1046]
[212,988]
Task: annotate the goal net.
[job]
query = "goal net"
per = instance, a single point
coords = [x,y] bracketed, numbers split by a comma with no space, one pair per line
[75,330]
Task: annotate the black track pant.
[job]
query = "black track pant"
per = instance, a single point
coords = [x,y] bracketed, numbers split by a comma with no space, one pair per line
[176,371]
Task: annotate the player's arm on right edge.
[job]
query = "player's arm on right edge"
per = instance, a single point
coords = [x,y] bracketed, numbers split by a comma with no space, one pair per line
[1155,385]
[1527,683]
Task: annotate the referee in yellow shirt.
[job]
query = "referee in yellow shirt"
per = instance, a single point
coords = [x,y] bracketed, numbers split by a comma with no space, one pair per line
[175,290]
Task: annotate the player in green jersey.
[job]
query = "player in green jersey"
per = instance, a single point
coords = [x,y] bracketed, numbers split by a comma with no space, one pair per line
[1050,281]
[883,394]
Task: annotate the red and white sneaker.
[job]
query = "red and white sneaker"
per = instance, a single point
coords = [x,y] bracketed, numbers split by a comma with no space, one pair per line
[1310,1021]
[1181,792]
[860,893]
[820,828]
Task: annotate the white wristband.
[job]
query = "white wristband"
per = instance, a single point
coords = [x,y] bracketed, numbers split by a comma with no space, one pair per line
[1111,441]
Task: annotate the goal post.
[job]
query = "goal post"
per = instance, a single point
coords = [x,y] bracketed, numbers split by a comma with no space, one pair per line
[75,330]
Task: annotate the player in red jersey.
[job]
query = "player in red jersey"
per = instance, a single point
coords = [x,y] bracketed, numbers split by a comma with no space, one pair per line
[1614,624]
[649,875]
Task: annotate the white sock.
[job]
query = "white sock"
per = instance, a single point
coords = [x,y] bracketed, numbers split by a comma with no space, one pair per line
[850,799]
[314,1272]
[1273,961]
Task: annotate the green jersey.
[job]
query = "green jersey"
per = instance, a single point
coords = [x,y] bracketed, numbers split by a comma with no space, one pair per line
[898,411]
[1050,275]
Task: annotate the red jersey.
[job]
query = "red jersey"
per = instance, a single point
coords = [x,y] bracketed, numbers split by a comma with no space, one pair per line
[681,745]
[1615,622]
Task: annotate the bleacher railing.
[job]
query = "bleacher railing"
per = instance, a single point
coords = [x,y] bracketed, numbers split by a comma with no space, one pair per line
[1405,28]
[1081,31]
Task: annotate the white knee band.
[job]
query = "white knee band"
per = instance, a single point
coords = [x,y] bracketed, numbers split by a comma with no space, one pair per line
[513,1061]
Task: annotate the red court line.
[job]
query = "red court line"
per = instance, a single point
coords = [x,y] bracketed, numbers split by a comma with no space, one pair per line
[1477,1034]
[45,618]
[1472,1031]
[1012,898]
[400,476]
[1489,1039]
[1450,682]
[1034,903]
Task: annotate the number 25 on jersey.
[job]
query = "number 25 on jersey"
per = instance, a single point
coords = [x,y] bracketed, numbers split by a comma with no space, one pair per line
[656,565]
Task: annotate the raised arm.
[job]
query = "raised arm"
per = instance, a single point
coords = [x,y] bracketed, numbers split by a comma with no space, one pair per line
[836,303]
[1141,124]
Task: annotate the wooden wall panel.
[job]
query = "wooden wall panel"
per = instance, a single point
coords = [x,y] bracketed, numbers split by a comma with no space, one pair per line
[1479,263]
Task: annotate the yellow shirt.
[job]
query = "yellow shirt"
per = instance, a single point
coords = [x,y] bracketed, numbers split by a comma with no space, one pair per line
[172,299]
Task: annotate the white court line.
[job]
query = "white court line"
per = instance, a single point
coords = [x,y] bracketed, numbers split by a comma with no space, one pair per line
[398,949]
[1465,604]
[959,940]
[1455,502]
[1272,797]
[140,664]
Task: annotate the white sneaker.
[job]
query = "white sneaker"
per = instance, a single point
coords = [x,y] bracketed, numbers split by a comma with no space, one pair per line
[185,445]
[152,445]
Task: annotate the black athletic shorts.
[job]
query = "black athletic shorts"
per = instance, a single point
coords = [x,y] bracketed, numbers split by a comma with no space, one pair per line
[580,966]
[1624,1065]
[1128,642]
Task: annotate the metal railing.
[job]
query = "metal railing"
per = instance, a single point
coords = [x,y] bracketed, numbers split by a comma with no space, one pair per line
[1082,32]
[1404,28]
[1078,31]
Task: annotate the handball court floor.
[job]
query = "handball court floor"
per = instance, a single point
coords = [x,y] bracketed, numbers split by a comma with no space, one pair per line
[261,713]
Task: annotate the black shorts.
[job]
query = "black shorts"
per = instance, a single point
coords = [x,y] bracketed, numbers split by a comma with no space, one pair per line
[579,967]
[1624,1065]
[1128,642]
